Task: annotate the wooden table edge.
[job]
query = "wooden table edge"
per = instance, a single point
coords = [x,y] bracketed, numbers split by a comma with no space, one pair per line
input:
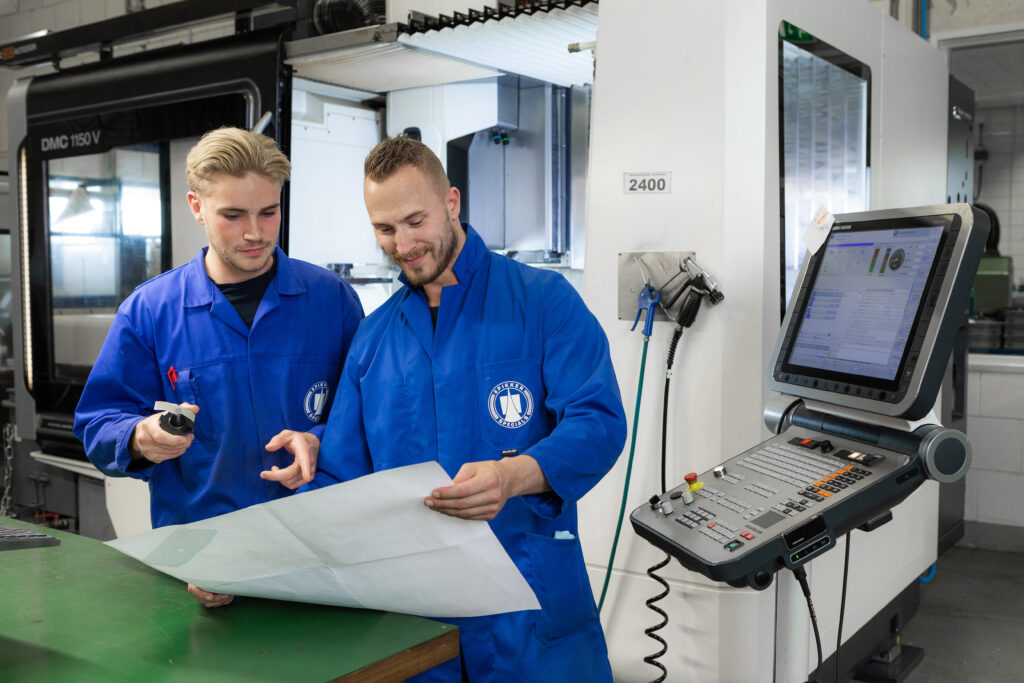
[408,663]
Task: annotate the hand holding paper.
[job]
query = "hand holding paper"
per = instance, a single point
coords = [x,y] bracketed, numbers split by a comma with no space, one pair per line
[373,544]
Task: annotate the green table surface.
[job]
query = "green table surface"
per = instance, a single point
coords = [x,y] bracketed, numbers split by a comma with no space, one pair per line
[82,611]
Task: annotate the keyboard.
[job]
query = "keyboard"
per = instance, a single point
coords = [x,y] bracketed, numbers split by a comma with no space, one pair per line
[779,504]
[15,538]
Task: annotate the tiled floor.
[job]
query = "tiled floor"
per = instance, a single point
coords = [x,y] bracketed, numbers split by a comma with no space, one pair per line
[971,619]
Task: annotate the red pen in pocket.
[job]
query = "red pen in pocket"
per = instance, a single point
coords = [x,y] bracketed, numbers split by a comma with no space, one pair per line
[172,375]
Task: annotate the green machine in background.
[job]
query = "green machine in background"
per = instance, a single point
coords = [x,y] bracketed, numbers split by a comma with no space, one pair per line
[992,298]
[993,285]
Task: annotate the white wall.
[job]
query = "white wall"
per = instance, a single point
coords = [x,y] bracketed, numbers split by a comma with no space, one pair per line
[995,423]
[1002,180]
[328,219]
[705,109]
[654,111]
[953,15]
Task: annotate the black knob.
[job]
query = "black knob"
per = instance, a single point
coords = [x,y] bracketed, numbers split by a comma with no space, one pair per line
[176,424]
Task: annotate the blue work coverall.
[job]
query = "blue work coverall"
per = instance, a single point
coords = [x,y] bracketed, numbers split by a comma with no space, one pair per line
[177,338]
[517,364]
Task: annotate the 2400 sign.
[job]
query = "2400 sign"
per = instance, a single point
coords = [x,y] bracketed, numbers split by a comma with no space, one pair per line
[647,183]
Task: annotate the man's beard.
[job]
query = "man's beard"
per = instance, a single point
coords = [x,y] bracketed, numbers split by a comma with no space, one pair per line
[443,255]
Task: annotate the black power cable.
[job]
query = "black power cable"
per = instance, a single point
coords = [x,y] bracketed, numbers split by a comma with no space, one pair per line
[842,604]
[801,576]
[651,632]
[687,314]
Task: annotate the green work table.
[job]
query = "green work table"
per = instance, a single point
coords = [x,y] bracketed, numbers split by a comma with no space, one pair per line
[83,611]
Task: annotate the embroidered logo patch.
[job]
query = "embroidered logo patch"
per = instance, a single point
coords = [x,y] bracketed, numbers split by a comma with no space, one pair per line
[510,404]
[316,399]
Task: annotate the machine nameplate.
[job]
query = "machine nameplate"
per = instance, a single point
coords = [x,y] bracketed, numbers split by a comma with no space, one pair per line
[647,183]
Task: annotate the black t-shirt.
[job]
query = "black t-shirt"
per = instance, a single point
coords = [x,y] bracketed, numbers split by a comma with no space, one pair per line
[246,296]
[433,314]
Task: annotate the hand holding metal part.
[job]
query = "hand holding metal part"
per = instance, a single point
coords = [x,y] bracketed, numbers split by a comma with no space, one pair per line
[175,419]
[153,441]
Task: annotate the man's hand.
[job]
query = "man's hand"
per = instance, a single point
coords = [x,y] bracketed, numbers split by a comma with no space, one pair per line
[480,489]
[151,442]
[304,446]
[207,599]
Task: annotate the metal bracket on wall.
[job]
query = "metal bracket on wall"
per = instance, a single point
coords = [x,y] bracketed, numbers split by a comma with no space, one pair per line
[664,268]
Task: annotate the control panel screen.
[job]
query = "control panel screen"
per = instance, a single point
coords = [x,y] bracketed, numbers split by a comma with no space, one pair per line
[862,303]
[865,300]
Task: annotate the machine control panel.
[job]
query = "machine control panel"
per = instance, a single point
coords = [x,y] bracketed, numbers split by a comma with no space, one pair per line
[778,504]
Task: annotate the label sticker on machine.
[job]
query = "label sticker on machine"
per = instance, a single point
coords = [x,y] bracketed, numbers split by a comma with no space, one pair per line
[647,183]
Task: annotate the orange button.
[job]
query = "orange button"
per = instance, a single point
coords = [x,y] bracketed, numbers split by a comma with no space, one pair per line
[847,468]
[827,494]
[818,483]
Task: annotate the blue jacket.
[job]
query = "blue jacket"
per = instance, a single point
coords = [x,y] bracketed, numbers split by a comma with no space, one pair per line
[516,362]
[249,384]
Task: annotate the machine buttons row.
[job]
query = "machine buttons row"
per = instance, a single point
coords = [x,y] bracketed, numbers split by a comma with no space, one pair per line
[753,513]
[761,489]
[728,502]
[695,517]
[714,535]
[835,482]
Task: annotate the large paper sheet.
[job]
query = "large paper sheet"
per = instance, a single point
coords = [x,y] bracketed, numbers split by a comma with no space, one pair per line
[370,542]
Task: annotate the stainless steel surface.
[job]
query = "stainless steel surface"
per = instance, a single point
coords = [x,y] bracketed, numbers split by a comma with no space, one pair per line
[524,196]
[661,267]
[17,127]
[776,408]
[579,149]
[960,144]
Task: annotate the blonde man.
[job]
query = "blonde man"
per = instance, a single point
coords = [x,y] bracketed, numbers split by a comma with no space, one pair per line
[249,340]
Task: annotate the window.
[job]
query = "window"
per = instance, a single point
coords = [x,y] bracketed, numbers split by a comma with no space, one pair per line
[824,105]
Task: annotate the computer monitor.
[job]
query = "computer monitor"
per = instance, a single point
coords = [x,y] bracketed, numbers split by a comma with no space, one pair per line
[873,318]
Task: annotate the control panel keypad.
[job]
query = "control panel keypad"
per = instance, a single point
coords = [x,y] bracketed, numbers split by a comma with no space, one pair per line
[789,479]
[742,507]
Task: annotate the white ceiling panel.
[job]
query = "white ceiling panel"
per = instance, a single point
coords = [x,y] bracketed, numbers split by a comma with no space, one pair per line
[994,72]
[534,45]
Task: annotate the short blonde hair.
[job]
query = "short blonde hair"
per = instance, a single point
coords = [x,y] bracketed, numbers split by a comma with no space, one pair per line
[394,153]
[234,152]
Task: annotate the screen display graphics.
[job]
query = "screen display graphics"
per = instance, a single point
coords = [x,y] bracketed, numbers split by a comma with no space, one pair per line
[863,304]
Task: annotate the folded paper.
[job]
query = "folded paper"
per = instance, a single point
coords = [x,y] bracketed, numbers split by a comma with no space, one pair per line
[369,543]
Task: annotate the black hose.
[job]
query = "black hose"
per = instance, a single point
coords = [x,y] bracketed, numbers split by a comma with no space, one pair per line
[842,604]
[801,575]
[651,632]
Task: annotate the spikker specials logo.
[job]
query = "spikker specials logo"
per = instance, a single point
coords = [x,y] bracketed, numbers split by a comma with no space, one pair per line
[316,399]
[510,404]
